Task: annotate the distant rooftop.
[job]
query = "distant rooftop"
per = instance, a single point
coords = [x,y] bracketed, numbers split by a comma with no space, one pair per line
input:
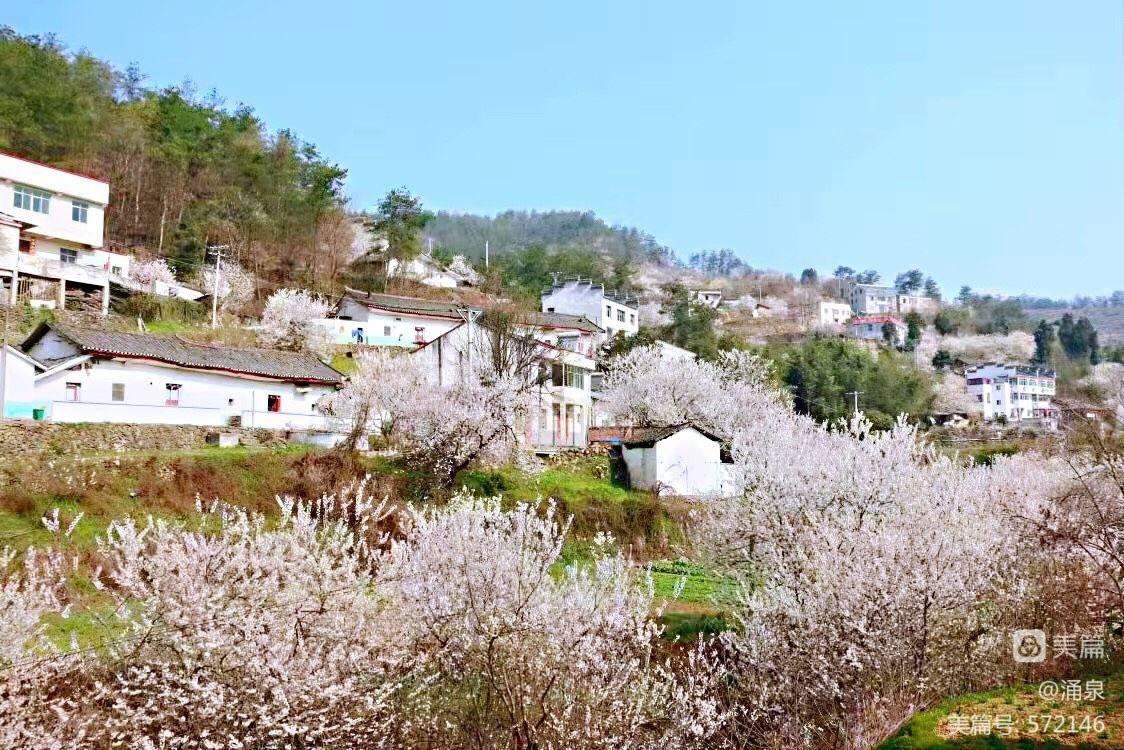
[628,300]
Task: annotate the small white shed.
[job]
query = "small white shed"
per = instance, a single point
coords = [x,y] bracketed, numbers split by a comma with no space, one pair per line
[675,460]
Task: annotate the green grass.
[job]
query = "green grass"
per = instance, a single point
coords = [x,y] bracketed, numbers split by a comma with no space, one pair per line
[923,731]
[345,364]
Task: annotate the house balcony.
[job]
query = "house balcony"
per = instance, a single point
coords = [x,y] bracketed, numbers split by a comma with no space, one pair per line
[549,441]
[47,267]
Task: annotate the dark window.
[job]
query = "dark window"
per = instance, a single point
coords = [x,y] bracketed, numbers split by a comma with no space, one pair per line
[68,255]
[172,394]
[273,402]
[118,391]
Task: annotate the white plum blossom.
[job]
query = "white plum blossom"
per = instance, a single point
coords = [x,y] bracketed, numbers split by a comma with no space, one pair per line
[236,285]
[148,271]
[292,320]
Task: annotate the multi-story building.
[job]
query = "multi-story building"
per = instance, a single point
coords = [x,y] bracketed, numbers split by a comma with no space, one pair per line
[1015,393]
[833,313]
[613,312]
[52,226]
[554,352]
[870,299]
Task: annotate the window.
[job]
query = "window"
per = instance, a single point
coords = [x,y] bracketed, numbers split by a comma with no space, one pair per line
[632,318]
[79,211]
[273,402]
[116,270]
[573,378]
[118,392]
[73,391]
[386,330]
[172,394]
[609,312]
[568,342]
[68,255]
[30,199]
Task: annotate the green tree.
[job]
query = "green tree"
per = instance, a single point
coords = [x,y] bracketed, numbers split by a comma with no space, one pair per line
[910,281]
[914,326]
[809,276]
[822,372]
[868,277]
[399,221]
[931,289]
[1044,337]
[890,333]
[946,322]
[844,272]
[942,360]
[965,295]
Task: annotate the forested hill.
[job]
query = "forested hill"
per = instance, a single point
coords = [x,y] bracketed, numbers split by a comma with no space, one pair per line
[555,230]
[184,170]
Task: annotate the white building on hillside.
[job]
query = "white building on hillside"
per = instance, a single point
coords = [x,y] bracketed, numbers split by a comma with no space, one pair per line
[870,299]
[870,327]
[52,228]
[391,320]
[559,361]
[614,313]
[64,373]
[833,313]
[708,297]
[678,460]
[1015,393]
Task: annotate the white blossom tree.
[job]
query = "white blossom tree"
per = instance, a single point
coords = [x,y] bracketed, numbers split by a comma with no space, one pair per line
[148,271]
[235,287]
[291,321]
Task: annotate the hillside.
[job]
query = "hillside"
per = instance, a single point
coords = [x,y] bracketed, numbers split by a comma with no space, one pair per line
[465,234]
[1109,321]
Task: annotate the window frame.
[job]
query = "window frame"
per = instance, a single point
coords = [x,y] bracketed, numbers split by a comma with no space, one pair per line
[273,403]
[31,199]
[117,392]
[80,211]
[74,392]
[68,256]
[169,390]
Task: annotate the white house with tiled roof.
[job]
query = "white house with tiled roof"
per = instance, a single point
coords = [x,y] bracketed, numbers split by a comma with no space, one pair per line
[870,327]
[52,229]
[391,320]
[1015,393]
[612,311]
[64,373]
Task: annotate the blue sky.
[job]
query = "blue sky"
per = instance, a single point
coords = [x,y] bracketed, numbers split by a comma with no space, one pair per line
[979,141]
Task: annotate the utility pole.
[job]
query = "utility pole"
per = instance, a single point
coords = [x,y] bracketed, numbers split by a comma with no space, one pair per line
[856,395]
[485,253]
[215,287]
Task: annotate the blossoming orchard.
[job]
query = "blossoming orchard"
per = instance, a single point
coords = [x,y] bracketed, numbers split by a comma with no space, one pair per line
[869,575]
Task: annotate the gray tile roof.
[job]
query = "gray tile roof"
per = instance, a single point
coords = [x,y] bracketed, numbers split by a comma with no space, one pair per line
[269,363]
[561,320]
[395,303]
[637,437]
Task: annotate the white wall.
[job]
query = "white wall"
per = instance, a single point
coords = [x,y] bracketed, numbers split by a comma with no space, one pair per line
[375,324]
[63,187]
[687,463]
[590,301]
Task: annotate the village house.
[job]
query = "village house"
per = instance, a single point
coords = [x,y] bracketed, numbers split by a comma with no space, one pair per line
[65,373]
[1014,393]
[613,312]
[870,327]
[871,299]
[708,297]
[390,320]
[682,460]
[559,364]
[833,313]
[52,225]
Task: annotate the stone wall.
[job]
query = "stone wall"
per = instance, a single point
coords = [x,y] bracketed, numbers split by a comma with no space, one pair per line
[28,438]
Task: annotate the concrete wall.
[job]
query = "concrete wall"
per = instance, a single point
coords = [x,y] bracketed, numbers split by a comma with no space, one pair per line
[63,188]
[20,438]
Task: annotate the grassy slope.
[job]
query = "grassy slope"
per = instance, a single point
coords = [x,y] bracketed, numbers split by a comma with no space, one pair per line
[929,730]
[165,484]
